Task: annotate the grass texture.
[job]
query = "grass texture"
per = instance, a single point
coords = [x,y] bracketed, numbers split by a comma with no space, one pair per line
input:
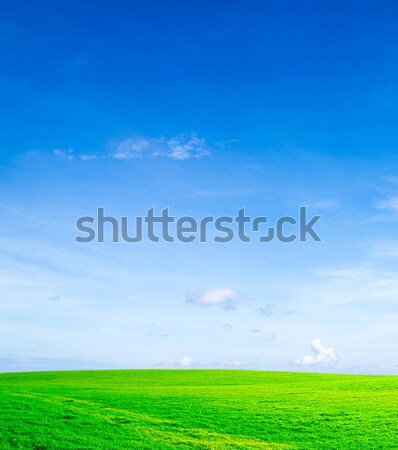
[197,409]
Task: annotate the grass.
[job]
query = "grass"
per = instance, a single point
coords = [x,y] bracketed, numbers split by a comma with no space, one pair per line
[200,409]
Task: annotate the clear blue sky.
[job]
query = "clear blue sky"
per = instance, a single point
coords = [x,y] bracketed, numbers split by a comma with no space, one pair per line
[278,104]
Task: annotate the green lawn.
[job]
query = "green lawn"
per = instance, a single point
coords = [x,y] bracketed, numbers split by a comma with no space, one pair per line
[197,409]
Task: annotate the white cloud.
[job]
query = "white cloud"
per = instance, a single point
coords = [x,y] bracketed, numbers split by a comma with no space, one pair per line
[186,361]
[224,297]
[321,355]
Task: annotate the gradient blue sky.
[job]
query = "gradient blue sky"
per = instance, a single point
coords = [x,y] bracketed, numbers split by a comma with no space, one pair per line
[295,103]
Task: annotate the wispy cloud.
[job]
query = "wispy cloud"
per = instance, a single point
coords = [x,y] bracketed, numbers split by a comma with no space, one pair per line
[64,154]
[234,363]
[365,284]
[130,148]
[70,155]
[321,355]
[389,204]
[180,148]
[87,157]
[324,204]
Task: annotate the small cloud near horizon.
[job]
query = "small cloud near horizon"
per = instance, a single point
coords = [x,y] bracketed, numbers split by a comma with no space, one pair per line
[186,361]
[321,355]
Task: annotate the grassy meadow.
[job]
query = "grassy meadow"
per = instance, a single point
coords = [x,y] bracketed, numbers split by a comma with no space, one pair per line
[197,409]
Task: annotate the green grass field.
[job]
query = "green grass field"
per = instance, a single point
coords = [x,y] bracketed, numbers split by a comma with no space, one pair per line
[197,409]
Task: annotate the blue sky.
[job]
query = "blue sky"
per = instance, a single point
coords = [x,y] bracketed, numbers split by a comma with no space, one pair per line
[277,105]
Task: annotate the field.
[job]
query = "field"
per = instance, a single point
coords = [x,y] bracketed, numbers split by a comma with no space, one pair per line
[197,409]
